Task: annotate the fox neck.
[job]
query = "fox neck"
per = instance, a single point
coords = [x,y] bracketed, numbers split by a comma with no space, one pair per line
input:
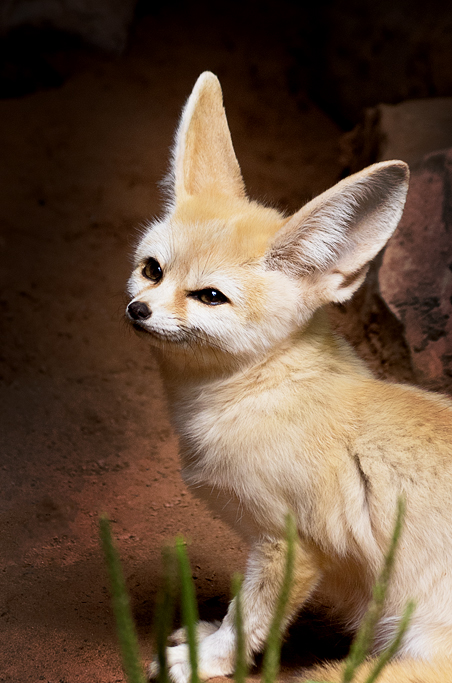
[190,367]
[312,350]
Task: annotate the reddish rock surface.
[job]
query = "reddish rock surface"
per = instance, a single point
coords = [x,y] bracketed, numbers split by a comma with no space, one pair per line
[415,277]
[408,131]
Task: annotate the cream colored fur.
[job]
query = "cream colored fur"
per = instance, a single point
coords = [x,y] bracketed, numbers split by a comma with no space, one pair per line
[402,671]
[274,412]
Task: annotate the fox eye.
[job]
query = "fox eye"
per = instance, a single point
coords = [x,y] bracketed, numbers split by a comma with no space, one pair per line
[211,297]
[152,270]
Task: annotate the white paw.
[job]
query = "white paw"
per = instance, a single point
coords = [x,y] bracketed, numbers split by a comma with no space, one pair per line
[216,654]
[178,662]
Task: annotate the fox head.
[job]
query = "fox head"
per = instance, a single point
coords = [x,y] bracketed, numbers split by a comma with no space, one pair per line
[221,274]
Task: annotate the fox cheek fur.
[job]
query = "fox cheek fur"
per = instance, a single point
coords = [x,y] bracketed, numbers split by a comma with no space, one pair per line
[274,411]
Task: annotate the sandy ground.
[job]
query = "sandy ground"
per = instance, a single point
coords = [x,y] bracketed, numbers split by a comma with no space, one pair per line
[84,424]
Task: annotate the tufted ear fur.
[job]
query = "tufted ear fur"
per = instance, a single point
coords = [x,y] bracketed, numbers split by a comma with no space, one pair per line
[335,236]
[204,159]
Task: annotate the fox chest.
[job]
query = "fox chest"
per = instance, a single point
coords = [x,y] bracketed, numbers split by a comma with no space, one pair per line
[248,461]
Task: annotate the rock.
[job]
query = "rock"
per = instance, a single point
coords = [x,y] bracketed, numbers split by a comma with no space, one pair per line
[400,321]
[404,311]
[406,131]
[412,129]
[415,276]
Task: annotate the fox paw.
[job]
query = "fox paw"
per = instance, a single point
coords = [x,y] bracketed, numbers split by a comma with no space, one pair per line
[216,655]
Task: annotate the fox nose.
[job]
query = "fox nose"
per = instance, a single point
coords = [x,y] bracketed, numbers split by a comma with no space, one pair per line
[138,310]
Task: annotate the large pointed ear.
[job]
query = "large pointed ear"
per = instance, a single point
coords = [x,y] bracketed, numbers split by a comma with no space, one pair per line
[335,236]
[204,158]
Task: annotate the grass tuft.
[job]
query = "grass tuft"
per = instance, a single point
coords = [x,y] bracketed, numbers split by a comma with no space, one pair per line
[391,650]
[125,625]
[270,665]
[362,644]
[241,668]
[359,651]
[189,608]
[164,611]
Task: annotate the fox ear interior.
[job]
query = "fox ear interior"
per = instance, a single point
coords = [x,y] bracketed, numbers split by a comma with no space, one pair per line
[335,236]
[204,158]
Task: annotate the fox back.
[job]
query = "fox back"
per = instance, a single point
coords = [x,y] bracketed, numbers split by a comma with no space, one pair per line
[274,412]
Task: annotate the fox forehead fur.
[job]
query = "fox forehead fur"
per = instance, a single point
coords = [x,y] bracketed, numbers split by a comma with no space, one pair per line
[274,412]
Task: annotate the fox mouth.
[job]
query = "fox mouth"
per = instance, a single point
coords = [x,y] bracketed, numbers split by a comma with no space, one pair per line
[138,327]
[163,337]
[183,337]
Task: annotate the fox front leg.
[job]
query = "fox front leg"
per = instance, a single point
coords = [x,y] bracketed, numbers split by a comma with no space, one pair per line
[265,570]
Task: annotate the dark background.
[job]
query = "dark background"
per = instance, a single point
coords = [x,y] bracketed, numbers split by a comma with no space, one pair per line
[345,56]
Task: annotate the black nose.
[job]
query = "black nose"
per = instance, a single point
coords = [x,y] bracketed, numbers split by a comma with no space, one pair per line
[138,310]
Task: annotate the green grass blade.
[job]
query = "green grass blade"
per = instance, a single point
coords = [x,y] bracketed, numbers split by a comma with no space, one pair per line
[362,643]
[164,612]
[121,606]
[394,646]
[189,609]
[241,668]
[270,664]
[381,587]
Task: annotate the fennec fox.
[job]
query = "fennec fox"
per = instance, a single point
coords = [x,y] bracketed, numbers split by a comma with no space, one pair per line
[274,412]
